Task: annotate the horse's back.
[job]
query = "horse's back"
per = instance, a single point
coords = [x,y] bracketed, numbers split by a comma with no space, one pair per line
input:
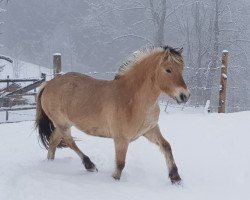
[75,77]
[76,84]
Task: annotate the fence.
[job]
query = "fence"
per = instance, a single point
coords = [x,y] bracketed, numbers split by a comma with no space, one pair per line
[237,90]
[13,98]
[16,97]
[26,110]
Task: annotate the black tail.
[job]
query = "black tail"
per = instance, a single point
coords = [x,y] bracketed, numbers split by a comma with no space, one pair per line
[44,124]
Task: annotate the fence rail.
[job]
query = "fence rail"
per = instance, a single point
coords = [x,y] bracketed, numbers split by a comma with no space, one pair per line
[17,109]
[10,99]
[7,110]
[17,80]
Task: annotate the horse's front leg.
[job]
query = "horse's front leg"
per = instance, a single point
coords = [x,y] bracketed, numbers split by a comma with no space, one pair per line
[154,135]
[121,147]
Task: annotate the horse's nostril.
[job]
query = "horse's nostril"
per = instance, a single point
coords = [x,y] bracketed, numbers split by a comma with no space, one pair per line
[183,97]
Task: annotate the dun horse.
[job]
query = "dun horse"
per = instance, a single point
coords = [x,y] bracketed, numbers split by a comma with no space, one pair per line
[123,109]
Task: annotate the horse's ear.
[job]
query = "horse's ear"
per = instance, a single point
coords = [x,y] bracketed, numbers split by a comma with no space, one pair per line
[180,50]
[166,56]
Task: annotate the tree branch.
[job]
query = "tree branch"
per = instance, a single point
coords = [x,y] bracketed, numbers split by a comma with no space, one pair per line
[153,12]
[6,58]
[135,36]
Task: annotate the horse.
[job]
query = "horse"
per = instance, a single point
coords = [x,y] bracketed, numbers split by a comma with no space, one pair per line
[123,109]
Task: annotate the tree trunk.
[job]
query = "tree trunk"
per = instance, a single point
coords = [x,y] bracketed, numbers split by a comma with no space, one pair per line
[159,37]
[198,27]
[160,19]
[215,54]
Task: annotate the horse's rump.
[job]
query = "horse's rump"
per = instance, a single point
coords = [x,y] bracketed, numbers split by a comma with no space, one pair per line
[44,125]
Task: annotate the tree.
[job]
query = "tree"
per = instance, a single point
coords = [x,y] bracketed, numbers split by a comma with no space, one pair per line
[96,35]
[207,28]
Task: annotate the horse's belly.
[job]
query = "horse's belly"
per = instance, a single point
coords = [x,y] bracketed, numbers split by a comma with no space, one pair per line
[94,130]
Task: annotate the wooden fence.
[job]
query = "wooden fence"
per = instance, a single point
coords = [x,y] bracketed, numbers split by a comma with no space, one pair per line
[15,100]
[223,83]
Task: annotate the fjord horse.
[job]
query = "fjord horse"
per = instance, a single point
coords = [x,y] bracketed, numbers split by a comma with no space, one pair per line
[122,109]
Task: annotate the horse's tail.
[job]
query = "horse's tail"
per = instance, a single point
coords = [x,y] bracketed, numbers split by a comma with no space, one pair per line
[43,123]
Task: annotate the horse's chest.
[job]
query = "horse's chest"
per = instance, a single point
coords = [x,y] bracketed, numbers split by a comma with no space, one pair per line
[149,121]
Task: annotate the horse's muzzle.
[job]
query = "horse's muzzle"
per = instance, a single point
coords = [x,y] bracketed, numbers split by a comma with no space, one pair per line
[183,97]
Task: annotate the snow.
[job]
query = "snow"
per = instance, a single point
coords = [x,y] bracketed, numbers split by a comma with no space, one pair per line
[224,76]
[211,152]
[25,70]
[207,107]
[225,51]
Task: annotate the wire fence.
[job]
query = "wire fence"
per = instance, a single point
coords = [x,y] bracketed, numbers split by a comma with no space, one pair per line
[167,104]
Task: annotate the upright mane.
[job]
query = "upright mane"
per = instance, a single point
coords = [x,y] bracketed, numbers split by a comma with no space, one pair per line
[137,56]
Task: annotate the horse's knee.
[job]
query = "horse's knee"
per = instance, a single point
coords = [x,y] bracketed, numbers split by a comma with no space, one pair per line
[166,146]
[68,140]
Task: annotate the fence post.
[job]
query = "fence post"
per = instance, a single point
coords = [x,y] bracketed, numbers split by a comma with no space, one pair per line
[8,83]
[57,64]
[7,100]
[7,116]
[223,82]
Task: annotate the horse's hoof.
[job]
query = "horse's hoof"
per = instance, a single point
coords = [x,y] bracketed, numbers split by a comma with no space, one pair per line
[176,181]
[116,176]
[93,169]
[174,176]
[89,165]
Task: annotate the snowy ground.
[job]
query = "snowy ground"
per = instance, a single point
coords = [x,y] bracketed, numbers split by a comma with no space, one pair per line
[211,151]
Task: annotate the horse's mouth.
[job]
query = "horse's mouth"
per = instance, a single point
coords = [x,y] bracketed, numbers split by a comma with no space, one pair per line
[180,101]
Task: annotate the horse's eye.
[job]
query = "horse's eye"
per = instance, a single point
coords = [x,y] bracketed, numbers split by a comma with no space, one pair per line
[168,71]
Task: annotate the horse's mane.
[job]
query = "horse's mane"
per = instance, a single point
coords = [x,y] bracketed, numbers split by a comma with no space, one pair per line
[140,54]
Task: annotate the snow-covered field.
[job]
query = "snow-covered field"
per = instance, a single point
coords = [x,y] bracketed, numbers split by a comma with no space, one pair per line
[211,151]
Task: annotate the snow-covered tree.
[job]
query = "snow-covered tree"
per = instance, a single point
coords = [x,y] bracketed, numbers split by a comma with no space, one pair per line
[97,35]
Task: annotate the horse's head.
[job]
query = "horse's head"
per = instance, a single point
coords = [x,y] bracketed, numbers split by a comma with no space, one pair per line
[162,65]
[169,75]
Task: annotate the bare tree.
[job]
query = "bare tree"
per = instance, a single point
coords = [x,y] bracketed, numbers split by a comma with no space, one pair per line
[207,28]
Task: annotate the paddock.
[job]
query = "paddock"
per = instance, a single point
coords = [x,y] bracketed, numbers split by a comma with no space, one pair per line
[213,157]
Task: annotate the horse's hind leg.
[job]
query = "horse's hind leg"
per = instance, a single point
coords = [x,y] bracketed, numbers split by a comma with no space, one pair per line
[67,138]
[154,135]
[54,140]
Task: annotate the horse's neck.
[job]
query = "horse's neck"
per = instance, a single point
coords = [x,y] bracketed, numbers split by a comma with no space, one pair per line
[139,86]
